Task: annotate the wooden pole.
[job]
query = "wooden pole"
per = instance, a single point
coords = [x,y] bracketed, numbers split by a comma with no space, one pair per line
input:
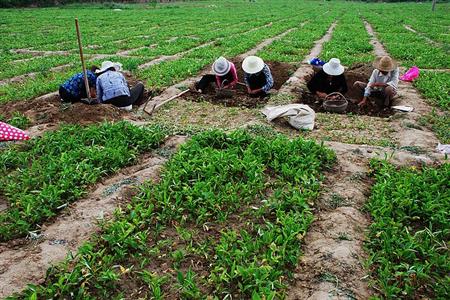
[86,82]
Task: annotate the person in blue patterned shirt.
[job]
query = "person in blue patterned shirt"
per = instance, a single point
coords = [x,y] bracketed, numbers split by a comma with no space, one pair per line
[73,89]
[257,76]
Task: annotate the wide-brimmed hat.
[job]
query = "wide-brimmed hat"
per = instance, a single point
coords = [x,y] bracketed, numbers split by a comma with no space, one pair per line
[333,67]
[384,63]
[221,66]
[252,65]
[109,64]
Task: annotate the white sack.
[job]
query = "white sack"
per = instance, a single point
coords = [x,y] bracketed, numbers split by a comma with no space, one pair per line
[300,116]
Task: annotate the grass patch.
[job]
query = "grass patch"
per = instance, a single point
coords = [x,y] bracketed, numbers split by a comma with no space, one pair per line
[48,172]
[408,239]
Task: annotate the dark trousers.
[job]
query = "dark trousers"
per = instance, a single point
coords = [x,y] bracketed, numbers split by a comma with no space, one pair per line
[205,82]
[67,97]
[136,97]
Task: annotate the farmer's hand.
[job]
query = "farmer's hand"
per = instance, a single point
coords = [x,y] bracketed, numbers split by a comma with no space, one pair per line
[363,102]
[249,90]
[321,95]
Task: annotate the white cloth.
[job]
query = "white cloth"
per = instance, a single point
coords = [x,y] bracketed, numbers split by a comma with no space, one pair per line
[403,108]
[300,116]
[444,149]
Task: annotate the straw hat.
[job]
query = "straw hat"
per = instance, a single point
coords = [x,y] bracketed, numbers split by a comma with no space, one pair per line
[384,63]
[109,64]
[333,67]
[252,64]
[221,66]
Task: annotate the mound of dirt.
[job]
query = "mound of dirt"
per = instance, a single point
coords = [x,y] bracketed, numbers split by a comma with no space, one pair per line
[53,111]
[239,97]
[357,72]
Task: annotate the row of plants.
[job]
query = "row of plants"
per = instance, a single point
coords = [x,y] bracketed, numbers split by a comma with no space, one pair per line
[350,41]
[295,46]
[409,48]
[408,239]
[44,174]
[170,72]
[435,86]
[225,220]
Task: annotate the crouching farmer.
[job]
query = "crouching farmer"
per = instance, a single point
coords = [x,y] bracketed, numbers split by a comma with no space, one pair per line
[257,76]
[329,80]
[382,83]
[225,76]
[73,89]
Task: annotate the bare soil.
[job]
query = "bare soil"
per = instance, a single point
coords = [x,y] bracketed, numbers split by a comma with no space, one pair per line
[239,96]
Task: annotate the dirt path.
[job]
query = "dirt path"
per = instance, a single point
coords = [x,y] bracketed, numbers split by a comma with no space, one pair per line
[23,261]
[305,70]
[332,265]
[408,132]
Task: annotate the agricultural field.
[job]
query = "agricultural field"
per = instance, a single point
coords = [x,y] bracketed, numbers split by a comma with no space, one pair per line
[203,198]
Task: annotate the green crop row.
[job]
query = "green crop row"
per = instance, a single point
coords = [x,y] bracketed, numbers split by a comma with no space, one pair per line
[296,45]
[226,219]
[435,86]
[350,42]
[45,173]
[409,236]
[17,119]
[407,47]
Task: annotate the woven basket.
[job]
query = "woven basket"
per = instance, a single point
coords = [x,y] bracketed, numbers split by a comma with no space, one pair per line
[335,102]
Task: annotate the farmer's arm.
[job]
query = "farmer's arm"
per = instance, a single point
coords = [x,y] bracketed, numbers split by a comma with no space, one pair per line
[235,76]
[371,83]
[269,80]
[394,79]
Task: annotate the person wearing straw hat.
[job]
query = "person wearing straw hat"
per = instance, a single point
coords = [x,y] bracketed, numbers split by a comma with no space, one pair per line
[382,83]
[112,87]
[73,89]
[225,76]
[257,76]
[329,80]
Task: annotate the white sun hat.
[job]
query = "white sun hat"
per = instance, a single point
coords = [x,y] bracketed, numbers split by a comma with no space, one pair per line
[109,64]
[252,64]
[221,66]
[333,67]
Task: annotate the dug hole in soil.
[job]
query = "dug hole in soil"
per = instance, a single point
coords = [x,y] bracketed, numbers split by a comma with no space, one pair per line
[239,97]
[357,72]
[50,110]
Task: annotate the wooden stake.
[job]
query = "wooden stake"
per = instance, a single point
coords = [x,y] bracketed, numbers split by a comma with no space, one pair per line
[86,82]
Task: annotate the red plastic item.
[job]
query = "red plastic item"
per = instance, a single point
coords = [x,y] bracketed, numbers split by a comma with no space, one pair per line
[11,133]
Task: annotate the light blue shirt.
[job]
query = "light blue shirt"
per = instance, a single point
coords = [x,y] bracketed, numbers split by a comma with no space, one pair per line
[111,84]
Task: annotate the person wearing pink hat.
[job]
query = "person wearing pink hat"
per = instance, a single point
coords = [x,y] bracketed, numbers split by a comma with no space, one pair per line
[225,76]
[328,80]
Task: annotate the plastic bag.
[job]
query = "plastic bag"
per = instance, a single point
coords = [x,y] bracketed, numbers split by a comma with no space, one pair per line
[316,62]
[411,74]
[300,116]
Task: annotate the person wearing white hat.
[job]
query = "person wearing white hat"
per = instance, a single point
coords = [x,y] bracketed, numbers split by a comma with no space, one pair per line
[257,76]
[73,89]
[382,83]
[225,76]
[112,87]
[328,80]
